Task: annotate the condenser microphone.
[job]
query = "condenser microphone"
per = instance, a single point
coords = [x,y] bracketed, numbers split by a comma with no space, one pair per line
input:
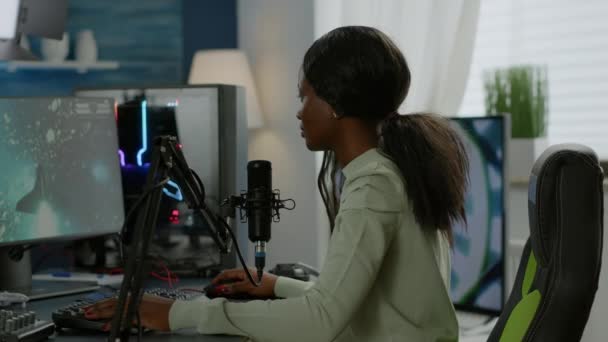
[260,203]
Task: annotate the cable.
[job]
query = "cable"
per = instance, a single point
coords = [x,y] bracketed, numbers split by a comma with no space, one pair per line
[172,276]
[141,199]
[132,211]
[238,252]
[200,184]
[139,202]
[119,245]
[139,327]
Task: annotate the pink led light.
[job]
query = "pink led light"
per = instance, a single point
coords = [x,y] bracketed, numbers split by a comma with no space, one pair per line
[121,154]
[174,217]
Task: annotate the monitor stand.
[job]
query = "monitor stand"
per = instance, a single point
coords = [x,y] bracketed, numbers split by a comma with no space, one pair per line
[17,277]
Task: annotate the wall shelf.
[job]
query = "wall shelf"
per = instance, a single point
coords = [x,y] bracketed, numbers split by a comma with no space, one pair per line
[80,67]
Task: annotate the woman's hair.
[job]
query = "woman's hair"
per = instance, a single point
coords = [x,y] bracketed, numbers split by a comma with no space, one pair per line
[361,73]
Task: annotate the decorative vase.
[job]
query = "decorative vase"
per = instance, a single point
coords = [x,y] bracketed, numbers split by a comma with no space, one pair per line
[86,47]
[523,153]
[55,50]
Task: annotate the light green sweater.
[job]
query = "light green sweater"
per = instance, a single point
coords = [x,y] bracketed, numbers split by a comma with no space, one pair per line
[384,278]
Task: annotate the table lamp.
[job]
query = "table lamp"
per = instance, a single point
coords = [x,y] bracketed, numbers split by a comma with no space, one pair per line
[227,66]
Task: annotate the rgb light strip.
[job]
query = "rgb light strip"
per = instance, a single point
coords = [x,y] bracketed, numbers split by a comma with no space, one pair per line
[144,132]
[177,194]
[121,154]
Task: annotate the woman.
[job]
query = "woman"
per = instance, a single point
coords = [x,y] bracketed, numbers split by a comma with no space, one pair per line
[386,274]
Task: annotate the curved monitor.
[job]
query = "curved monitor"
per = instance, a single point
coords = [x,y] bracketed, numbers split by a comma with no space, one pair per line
[478,261]
[60,174]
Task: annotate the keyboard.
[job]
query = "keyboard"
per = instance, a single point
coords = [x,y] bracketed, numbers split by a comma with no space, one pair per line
[72,316]
[20,325]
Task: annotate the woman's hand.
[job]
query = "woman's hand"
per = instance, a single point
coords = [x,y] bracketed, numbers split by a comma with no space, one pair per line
[237,282]
[153,312]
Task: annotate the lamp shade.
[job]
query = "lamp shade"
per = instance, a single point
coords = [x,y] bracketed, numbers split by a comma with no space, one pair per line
[227,66]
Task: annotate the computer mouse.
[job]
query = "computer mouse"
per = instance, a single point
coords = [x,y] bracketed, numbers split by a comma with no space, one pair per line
[217,290]
[223,290]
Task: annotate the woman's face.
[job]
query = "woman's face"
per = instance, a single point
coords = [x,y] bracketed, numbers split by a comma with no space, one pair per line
[317,124]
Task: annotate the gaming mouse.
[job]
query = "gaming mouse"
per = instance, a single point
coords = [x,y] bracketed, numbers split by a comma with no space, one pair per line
[222,290]
[218,290]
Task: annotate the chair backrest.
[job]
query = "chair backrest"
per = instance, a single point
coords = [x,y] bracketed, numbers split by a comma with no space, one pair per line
[559,270]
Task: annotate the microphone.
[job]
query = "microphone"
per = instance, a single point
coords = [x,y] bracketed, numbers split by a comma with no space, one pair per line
[259,209]
[259,206]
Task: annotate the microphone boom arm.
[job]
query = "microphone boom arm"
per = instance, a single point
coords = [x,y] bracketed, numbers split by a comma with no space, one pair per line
[167,161]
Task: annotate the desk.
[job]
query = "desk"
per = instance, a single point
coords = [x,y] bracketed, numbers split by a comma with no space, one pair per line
[44,308]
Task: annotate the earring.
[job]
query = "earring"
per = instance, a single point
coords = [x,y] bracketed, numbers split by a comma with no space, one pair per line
[334,115]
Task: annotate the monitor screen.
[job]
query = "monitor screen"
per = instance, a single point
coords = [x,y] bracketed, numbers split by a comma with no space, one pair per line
[478,261]
[44,18]
[192,114]
[8,18]
[60,172]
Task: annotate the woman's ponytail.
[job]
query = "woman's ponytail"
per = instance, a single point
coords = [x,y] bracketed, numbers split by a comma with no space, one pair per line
[434,165]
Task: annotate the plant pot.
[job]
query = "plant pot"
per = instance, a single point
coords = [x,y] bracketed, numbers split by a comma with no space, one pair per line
[523,153]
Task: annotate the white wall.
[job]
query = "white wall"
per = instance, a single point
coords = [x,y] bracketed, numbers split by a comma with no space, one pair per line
[275,34]
[596,329]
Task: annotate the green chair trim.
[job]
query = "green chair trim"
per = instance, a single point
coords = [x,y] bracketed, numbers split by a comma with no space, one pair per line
[520,318]
[529,275]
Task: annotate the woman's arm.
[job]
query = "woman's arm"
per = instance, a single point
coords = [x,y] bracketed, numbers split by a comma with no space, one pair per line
[289,287]
[355,255]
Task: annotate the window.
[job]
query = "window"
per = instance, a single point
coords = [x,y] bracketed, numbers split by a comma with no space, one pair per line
[571,38]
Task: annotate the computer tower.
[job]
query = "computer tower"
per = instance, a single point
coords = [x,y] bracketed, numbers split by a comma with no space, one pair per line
[210,122]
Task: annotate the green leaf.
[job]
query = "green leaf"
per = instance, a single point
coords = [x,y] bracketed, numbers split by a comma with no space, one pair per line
[522,92]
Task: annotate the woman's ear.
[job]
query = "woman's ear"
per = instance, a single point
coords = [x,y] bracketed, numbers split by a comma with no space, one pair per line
[333,112]
[329,109]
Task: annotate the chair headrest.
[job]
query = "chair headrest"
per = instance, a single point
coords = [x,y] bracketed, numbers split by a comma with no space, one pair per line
[565,186]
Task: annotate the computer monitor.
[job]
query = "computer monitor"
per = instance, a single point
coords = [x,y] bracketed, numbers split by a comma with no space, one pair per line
[210,123]
[60,176]
[8,19]
[478,261]
[42,18]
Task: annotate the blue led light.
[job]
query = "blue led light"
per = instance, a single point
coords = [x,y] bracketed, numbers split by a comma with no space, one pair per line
[177,195]
[144,133]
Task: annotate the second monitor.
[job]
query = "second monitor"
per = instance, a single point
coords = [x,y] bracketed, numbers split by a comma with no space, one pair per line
[478,262]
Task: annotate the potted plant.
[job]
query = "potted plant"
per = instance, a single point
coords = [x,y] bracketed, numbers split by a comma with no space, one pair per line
[520,91]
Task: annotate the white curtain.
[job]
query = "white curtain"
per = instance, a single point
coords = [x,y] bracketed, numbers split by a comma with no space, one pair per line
[436,37]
